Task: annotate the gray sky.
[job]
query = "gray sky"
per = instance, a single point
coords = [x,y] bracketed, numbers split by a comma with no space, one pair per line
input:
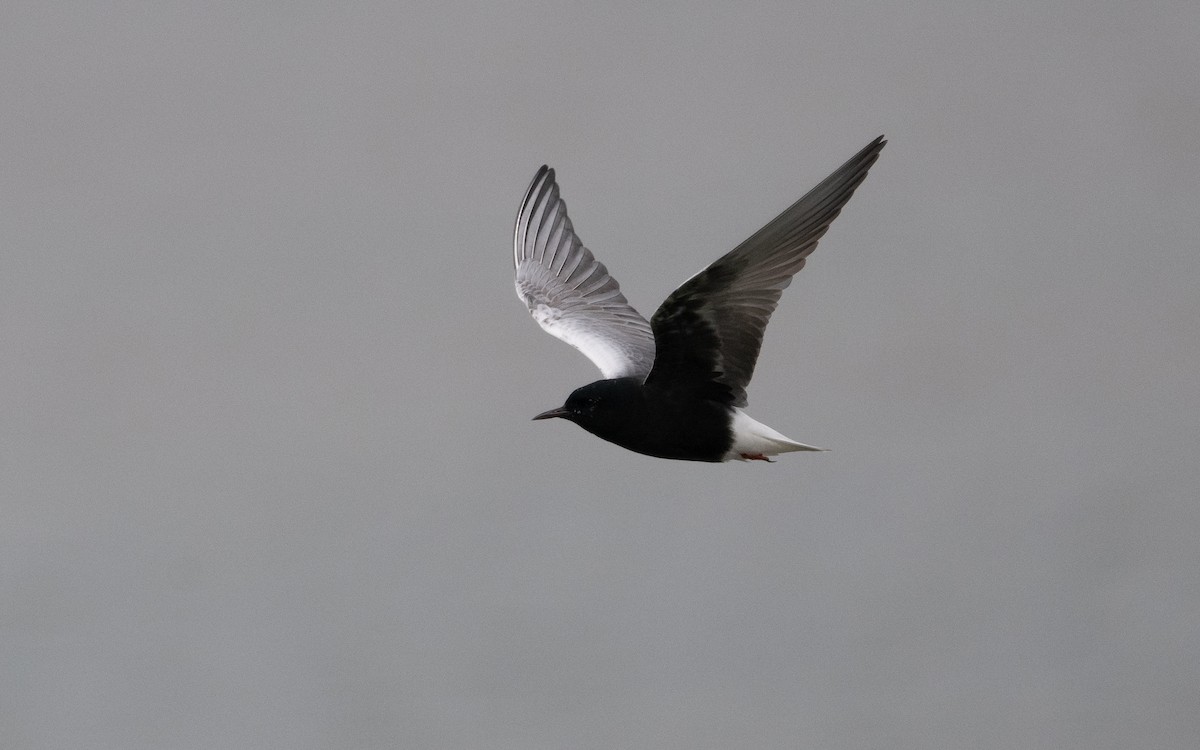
[268,477]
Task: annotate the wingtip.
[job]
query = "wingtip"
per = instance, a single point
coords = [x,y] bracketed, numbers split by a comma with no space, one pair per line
[538,178]
[875,146]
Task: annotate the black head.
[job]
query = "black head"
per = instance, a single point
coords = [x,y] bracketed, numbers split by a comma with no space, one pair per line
[602,402]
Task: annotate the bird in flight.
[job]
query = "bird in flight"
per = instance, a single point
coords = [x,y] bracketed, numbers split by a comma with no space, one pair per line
[674,386]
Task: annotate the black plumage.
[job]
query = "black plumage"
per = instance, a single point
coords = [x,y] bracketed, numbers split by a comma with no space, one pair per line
[675,385]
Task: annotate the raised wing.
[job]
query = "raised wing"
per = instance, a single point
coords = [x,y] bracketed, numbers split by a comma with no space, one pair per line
[569,293]
[709,331]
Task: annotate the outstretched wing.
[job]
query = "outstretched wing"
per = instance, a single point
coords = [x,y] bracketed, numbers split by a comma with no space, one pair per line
[709,331]
[569,293]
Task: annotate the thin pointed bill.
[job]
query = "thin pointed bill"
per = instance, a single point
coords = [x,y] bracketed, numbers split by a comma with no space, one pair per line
[552,413]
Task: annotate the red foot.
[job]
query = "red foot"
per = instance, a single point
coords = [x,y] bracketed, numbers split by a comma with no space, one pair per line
[756,457]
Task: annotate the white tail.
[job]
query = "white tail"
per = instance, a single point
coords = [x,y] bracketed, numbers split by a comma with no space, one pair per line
[754,440]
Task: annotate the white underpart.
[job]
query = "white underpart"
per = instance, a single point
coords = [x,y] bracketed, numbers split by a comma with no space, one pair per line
[753,438]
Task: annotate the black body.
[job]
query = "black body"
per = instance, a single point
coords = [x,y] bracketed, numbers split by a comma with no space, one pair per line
[664,423]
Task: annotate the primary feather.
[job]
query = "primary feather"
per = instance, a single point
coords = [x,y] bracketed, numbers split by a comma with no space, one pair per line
[712,326]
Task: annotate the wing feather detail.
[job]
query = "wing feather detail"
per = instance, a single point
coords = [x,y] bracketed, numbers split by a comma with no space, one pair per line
[569,293]
[709,331]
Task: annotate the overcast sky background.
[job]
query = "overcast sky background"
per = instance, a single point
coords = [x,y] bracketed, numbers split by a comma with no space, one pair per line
[267,473]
